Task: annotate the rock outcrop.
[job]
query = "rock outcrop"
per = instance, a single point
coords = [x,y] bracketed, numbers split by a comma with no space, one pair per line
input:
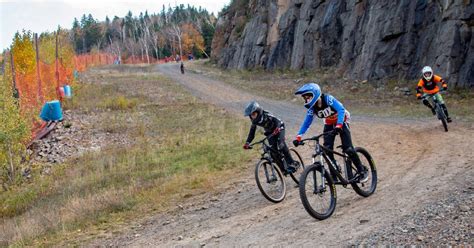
[361,39]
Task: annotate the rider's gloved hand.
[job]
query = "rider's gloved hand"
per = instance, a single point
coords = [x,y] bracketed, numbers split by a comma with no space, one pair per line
[418,96]
[276,131]
[445,87]
[338,129]
[297,141]
[246,146]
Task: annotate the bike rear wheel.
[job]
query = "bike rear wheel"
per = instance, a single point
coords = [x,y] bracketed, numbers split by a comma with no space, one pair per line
[318,198]
[296,175]
[368,188]
[270,181]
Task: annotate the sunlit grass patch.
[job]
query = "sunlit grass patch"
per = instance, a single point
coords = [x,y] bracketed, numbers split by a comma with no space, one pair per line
[119,103]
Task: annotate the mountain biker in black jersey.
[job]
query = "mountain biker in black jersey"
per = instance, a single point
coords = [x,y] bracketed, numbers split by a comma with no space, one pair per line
[272,126]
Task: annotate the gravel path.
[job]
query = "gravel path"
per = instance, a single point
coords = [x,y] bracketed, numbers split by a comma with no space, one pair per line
[425,188]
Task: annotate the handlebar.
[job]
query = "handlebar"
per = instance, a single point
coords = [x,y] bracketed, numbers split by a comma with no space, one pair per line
[425,96]
[441,91]
[317,136]
[259,142]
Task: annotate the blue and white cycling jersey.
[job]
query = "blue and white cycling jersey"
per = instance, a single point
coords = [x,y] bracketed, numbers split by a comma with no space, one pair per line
[331,110]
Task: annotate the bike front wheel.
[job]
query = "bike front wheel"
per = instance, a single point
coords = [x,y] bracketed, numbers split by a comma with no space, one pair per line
[317,192]
[270,181]
[442,118]
[368,188]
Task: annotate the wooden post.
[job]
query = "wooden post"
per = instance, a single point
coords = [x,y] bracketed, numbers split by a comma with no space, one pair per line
[57,68]
[40,88]
[16,93]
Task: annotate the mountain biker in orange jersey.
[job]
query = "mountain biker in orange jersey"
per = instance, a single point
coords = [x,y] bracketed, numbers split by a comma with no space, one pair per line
[272,126]
[336,119]
[428,85]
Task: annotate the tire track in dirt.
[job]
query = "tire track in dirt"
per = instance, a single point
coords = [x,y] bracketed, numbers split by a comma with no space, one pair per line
[417,164]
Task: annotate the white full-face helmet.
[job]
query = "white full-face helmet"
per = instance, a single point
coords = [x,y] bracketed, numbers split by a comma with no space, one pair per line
[427,73]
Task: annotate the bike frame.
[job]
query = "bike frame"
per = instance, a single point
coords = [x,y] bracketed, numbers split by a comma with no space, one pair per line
[321,151]
[439,111]
[267,153]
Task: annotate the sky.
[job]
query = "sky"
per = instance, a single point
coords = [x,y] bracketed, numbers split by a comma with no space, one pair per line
[45,15]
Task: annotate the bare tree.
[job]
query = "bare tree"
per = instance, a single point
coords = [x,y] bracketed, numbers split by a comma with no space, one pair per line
[154,40]
[175,32]
[115,48]
[145,38]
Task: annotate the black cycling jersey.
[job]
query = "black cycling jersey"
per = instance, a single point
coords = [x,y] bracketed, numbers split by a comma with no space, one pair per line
[267,121]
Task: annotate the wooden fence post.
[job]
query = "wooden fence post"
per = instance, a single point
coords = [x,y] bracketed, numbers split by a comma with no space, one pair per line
[40,89]
[57,68]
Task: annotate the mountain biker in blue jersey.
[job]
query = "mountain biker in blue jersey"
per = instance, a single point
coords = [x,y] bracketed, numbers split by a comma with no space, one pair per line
[271,126]
[336,118]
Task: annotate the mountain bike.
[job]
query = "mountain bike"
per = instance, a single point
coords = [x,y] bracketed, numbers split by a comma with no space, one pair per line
[268,171]
[438,109]
[318,181]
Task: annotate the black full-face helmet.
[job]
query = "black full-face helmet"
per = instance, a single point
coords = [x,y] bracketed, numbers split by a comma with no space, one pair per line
[253,106]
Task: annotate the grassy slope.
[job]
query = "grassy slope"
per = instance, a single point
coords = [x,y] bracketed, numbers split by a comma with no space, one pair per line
[180,146]
[360,97]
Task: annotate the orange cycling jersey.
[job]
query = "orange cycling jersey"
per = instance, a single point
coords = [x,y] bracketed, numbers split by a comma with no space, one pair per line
[430,87]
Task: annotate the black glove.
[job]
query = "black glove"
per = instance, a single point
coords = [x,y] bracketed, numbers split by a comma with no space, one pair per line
[297,141]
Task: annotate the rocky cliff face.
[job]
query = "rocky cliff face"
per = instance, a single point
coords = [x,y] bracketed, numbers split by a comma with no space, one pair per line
[362,39]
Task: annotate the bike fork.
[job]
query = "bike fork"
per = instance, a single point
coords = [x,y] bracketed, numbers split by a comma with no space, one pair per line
[269,180]
[319,188]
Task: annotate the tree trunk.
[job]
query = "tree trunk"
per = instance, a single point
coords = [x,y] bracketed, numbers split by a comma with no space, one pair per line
[204,51]
[180,48]
[16,91]
[156,52]
[11,172]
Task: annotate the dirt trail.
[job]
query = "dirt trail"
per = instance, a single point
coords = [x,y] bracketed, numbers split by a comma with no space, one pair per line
[417,164]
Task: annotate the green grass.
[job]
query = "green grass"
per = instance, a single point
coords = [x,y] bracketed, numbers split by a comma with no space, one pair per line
[119,103]
[180,147]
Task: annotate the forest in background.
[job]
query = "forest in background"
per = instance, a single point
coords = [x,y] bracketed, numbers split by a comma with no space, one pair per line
[173,31]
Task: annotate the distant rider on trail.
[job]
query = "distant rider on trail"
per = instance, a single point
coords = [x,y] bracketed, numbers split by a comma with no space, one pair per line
[428,85]
[335,118]
[272,126]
